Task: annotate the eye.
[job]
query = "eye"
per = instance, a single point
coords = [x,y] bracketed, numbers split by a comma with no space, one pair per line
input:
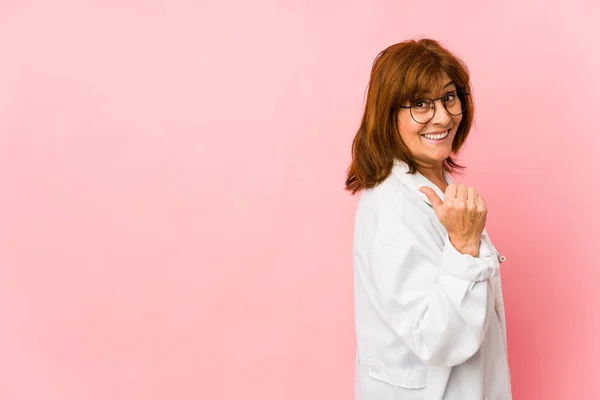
[420,104]
[450,97]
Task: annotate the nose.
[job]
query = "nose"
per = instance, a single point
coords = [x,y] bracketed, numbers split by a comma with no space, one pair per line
[441,116]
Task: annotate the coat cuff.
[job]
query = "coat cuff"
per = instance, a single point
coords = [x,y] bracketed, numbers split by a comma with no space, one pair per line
[467,267]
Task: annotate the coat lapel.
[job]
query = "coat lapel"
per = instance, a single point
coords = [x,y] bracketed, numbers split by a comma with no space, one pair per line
[416,180]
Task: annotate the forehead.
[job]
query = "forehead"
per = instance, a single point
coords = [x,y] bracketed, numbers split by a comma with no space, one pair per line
[433,86]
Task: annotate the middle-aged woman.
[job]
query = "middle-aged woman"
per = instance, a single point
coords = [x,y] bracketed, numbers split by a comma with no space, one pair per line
[429,312]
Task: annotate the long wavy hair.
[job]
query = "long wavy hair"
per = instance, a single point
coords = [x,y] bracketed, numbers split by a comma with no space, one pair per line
[399,74]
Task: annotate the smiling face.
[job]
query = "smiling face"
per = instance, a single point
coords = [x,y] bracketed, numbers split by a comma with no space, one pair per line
[431,143]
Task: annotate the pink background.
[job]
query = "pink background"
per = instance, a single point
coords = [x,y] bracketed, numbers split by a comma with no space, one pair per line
[172,220]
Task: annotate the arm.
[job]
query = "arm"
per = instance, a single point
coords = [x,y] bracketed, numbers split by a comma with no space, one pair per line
[439,304]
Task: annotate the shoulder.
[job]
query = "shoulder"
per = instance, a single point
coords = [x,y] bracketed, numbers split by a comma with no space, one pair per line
[390,212]
[391,199]
[379,213]
[386,197]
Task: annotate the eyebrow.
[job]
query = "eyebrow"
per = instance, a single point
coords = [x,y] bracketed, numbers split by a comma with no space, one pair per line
[446,85]
[428,93]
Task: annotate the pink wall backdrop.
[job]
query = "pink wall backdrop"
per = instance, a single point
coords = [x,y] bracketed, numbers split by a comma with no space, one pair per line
[173,223]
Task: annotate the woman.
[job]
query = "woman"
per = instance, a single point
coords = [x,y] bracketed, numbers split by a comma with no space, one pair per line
[428,300]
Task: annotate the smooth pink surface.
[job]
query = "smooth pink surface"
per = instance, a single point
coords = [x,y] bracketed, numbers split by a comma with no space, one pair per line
[173,224]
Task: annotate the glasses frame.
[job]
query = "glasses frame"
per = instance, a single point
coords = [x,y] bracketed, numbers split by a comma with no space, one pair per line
[458,91]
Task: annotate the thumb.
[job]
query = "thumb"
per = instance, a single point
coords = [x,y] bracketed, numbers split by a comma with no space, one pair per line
[434,199]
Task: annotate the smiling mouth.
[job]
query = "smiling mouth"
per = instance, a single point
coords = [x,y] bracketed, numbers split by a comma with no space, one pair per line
[437,136]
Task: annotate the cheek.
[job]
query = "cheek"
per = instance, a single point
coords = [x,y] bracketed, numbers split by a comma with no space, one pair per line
[457,120]
[408,129]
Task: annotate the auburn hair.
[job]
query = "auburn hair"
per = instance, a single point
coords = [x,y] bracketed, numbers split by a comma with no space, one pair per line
[399,74]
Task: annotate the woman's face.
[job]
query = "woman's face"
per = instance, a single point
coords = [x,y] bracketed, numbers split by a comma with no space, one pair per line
[430,152]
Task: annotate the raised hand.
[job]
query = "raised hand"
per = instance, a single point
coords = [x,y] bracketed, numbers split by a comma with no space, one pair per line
[463,213]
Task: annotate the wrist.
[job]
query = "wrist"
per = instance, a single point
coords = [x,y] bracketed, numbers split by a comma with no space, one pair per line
[468,246]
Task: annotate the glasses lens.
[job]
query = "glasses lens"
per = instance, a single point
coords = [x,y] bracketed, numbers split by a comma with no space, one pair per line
[453,104]
[422,110]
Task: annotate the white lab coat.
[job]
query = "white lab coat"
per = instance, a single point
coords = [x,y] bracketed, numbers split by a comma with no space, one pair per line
[429,320]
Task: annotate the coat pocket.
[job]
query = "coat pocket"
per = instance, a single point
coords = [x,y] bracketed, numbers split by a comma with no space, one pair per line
[405,378]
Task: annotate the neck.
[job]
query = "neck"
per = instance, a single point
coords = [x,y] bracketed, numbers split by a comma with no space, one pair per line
[435,174]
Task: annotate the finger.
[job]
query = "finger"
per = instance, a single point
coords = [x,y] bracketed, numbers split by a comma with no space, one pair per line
[462,192]
[450,191]
[472,196]
[481,202]
[434,199]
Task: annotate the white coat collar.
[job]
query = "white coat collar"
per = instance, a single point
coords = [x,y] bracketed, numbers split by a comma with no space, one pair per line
[416,180]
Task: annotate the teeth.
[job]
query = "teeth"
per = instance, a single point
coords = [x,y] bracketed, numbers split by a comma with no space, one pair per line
[437,137]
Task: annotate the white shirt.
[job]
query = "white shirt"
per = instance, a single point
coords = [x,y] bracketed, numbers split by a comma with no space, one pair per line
[429,320]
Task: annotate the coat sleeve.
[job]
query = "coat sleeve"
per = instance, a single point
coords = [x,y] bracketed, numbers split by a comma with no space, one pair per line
[438,302]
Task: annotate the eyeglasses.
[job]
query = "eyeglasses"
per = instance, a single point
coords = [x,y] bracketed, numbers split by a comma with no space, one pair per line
[423,110]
